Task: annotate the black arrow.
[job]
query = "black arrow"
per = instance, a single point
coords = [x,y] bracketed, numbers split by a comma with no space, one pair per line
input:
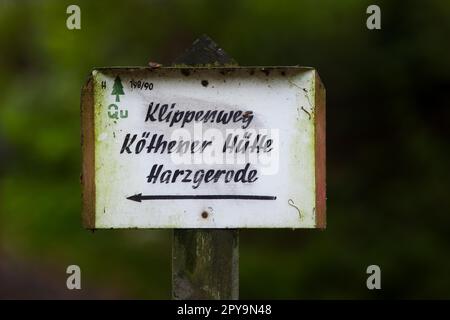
[139,197]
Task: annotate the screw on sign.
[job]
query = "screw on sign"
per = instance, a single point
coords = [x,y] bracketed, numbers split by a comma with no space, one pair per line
[210,149]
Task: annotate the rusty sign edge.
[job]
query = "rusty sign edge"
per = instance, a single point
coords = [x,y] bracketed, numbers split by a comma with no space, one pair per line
[320,151]
[88,154]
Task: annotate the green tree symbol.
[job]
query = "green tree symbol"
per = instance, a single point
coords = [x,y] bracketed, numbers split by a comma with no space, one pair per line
[117,89]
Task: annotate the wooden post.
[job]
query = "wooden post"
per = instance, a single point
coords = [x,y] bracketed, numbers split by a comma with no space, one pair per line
[205,262]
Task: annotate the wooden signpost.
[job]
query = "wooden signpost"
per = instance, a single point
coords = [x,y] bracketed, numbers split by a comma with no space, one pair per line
[205,148]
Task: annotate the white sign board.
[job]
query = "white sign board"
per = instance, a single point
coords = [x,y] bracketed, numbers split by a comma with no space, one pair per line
[240,147]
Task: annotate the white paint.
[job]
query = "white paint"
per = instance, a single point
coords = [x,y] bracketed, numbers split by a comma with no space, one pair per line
[276,102]
[103,136]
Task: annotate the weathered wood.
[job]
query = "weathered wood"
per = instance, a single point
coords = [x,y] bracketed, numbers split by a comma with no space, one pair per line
[205,262]
[202,52]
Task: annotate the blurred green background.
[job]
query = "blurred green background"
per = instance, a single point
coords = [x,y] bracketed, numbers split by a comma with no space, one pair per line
[388,109]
